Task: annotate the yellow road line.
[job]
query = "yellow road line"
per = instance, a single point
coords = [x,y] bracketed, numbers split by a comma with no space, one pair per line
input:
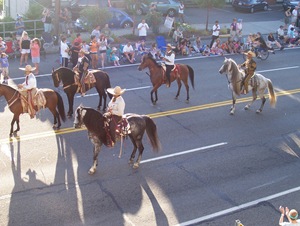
[153,115]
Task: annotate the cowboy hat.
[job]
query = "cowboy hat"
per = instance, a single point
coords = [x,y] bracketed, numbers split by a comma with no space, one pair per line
[169,45]
[250,53]
[116,91]
[28,68]
[83,51]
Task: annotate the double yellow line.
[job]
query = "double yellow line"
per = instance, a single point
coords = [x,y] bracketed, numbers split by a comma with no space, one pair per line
[153,115]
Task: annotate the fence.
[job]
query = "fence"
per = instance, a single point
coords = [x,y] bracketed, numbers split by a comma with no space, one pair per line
[33,28]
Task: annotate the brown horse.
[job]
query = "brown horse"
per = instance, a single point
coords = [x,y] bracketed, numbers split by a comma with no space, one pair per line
[13,99]
[66,76]
[158,78]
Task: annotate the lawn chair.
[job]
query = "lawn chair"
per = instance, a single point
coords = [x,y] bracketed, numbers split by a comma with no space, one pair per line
[161,43]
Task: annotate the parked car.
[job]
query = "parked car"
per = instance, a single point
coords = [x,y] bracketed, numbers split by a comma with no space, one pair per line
[250,5]
[290,3]
[166,7]
[119,19]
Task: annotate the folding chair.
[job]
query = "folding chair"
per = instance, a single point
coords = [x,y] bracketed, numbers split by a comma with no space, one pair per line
[161,43]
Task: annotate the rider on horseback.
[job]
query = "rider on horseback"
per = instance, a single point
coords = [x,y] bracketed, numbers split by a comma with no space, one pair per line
[249,67]
[82,68]
[115,111]
[169,59]
[28,89]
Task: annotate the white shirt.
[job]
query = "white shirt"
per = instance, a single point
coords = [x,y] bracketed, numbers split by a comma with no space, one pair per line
[181,8]
[280,32]
[31,82]
[288,223]
[216,30]
[294,13]
[63,47]
[143,27]
[117,107]
[170,58]
[127,49]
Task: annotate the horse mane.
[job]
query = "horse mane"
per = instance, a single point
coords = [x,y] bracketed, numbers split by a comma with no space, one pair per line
[236,76]
[66,74]
[149,56]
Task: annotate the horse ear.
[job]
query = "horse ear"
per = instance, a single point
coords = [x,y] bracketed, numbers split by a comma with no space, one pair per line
[225,58]
[52,69]
[83,112]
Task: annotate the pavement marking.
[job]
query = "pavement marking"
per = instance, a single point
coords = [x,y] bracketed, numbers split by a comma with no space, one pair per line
[153,115]
[239,207]
[184,152]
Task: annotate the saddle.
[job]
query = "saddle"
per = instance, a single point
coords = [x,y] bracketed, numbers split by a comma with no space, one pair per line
[37,99]
[89,78]
[175,70]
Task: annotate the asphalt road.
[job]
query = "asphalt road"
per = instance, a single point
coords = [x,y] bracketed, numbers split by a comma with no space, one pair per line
[216,168]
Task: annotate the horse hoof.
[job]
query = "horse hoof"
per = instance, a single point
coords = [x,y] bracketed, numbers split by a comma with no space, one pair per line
[91,171]
[135,165]
[176,98]
[246,108]
[187,101]
[130,162]
[231,113]
[69,115]
[258,111]
[154,103]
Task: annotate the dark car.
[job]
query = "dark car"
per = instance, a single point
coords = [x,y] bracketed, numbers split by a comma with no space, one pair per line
[250,6]
[290,4]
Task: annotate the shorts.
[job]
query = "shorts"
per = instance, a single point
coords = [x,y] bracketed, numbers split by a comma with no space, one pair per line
[24,51]
[35,60]
[102,51]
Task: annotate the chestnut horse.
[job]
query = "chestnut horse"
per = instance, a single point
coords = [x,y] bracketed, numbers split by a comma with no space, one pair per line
[66,76]
[94,122]
[13,99]
[158,78]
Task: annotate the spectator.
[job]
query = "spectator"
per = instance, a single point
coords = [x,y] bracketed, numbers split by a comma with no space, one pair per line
[35,54]
[47,20]
[96,32]
[156,54]
[293,37]
[94,46]
[129,52]
[24,44]
[64,52]
[114,57]
[177,35]
[206,51]
[143,27]
[281,36]
[62,19]
[181,12]
[102,49]
[292,216]
[272,41]
[239,29]
[216,48]
[233,29]
[3,46]
[68,21]
[287,17]
[107,32]
[238,47]
[261,44]
[216,31]
[228,46]
[184,50]
[142,49]
[199,44]
[78,39]
[19,25]
[4,67]
[294,15]
[74,50]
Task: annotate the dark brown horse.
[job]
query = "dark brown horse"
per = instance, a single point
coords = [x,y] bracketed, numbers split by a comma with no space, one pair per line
[157,76]
[66,76]
[94,122]
[13,99]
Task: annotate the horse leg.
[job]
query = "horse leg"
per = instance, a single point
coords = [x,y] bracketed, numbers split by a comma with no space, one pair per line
[15,119]
[97,145]
[56,121]
[253,99]
[154,90]
[263,101]
[179,88]
[187,91]
[140,146]
[232,109]
[132,156]
[71,103]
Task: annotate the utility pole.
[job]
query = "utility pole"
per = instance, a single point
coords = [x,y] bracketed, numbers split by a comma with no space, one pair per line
[56,20]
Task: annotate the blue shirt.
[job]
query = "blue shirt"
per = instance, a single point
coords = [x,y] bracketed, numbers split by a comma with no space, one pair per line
[4,62]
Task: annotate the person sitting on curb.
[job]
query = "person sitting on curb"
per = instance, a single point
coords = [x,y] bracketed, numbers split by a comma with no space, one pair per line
[129,52]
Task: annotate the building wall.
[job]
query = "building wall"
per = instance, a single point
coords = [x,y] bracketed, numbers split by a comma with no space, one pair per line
[14,7]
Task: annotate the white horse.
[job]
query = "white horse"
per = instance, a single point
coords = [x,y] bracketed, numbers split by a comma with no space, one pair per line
[257,84]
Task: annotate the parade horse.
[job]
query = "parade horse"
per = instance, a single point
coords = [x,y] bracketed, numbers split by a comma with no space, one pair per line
[13,97]
[257,83]
[97,134]
[70,86]
[157,77]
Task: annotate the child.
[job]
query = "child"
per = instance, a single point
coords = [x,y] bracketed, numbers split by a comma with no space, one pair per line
[206,51]
[35,54]
[4,67]
[114,57]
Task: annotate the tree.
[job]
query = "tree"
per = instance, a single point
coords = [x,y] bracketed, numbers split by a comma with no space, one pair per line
[95,16]
[209,4]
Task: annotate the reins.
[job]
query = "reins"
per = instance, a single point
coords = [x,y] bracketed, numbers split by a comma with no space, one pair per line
[10,104]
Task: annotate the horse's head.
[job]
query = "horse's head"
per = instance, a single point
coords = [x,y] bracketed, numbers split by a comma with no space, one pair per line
[79,115]
[145,61]
[226,66]
[56,77]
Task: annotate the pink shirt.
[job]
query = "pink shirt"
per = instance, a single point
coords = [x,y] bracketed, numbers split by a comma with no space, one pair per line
[35,50]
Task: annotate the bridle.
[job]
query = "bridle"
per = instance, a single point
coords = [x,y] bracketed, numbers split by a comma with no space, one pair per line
[64,87]
[15,98]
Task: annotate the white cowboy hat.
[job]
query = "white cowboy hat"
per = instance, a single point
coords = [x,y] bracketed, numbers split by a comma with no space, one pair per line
[169,45]
[250,53]
[27,68]
[116,91]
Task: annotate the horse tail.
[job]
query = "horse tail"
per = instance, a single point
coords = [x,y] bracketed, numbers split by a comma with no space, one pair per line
[60,107]
[272,94]
[108,85]
[191,75]
[152,133]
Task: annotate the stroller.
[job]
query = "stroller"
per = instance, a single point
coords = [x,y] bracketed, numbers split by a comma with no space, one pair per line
[47,41]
